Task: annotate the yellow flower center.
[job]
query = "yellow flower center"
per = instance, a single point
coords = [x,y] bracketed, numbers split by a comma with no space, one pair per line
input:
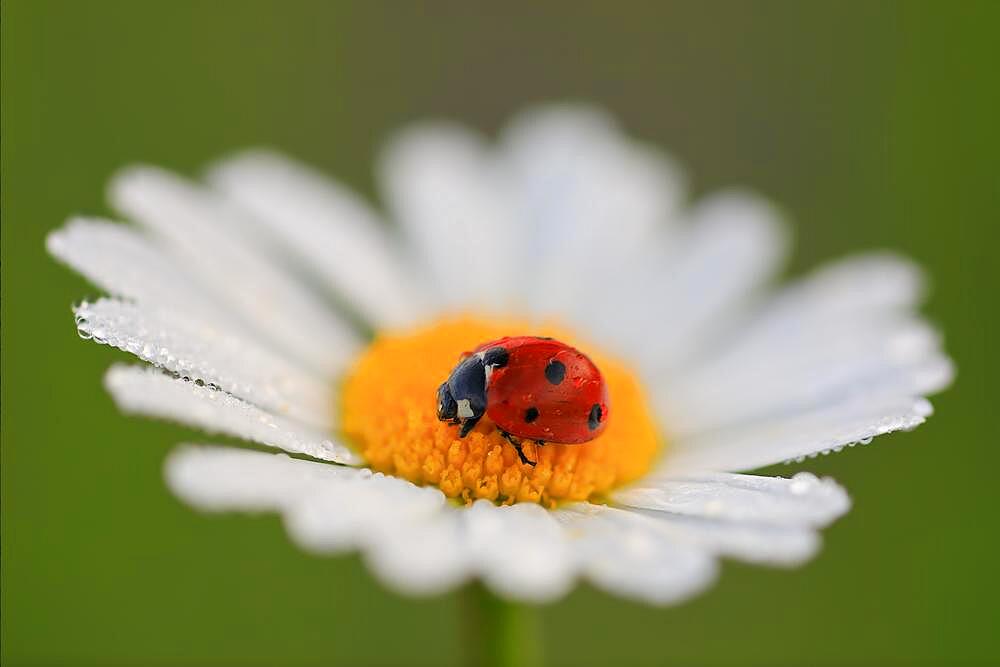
[389,410]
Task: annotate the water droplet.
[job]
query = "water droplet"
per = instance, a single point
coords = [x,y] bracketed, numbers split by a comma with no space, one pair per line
[799,487]
[802,482]
[866,441]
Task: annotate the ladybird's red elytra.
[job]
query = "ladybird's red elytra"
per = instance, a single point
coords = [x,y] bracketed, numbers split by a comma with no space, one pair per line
[532,388]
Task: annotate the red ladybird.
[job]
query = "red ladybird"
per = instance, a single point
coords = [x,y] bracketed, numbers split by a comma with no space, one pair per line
[532,388]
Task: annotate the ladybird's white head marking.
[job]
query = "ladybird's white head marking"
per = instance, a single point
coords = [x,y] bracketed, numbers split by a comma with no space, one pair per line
[493,358]
[465,409]
[487,368]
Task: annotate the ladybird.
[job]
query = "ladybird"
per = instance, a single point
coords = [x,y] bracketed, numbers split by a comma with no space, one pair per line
[532,388]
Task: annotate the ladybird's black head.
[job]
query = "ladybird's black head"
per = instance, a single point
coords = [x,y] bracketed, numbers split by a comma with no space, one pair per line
[447,407]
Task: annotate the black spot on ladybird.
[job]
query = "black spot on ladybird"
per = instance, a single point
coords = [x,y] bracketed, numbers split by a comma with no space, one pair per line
[531,414]
[594,420]
[496,357]
[555,371]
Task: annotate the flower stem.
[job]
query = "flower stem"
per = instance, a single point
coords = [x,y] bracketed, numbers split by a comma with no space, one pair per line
[499,633]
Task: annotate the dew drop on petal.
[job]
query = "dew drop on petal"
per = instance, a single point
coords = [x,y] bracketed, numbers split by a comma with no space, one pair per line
[802,483]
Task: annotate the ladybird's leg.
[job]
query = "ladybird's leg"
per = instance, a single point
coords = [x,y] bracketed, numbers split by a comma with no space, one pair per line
[520,455]
[540,443]
[516,444]
[468,425]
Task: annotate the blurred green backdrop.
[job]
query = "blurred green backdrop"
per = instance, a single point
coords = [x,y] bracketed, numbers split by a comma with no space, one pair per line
[874,124]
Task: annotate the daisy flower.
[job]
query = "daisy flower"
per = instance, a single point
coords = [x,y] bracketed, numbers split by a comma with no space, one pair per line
[272,305]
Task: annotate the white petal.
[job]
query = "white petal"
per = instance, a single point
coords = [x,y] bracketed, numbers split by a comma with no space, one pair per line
[629,554]
[407,533]
[328,508]
[782,438]
[795,372]
[831,360]
[732,247]
[858,291]
[423,557]
[852,287]
[520,550]
[588,200]
[440,184]
[766,520]
[802,500]
[224,478]
[329,227]
[147,391]
[215,244]
[199,351]
[335,517]
[417,542]
[759,543]
[125,262]
[128,263]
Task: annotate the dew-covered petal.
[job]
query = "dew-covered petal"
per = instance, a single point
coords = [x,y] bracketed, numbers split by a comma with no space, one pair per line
[440,183]
[147,391]
[758,543]
[199,351]
[127,263]
[329,227]
[764,520]
[898,356]
[787,437]
[587,200]
[803,500]
[629,554]
[215,244]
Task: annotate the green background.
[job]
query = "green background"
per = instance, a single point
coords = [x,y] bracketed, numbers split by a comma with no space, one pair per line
[874,124]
